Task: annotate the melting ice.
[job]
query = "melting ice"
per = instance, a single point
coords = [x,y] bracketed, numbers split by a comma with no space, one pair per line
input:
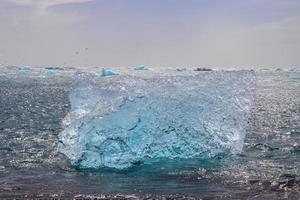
[120,121]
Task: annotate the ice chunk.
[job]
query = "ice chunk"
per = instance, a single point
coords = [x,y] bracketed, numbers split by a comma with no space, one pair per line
[181,69]
[125,120]
[141,67]
[108,72]
[50,72]
[24,68]
[295,69]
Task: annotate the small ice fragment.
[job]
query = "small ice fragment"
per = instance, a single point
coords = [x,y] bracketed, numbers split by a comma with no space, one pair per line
[181,69]
[295,69]
[141,67]
[50,72]
[203,69]
[108,72]
[24,68]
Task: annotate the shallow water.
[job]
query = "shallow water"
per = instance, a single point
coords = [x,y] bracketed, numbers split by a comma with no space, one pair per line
[32,107]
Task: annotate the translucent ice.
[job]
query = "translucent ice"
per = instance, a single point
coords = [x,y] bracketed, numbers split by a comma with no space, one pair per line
[108,72]
[50,72]
[141,67]
[24,68]
[123,120]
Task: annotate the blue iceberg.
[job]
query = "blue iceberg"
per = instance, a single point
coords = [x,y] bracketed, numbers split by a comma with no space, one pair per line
[129,119]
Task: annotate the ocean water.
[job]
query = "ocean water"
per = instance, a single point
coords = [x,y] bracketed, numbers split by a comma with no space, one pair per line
[33,104]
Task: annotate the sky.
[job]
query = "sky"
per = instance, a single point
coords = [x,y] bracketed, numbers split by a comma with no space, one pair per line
[163,33]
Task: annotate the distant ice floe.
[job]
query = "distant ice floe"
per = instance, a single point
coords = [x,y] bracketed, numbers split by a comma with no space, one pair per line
[294,69]
[24,68]
[181,69]
[141,67]
[108,72]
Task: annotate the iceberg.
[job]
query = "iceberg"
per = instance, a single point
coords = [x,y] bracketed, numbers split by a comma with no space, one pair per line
[128,119]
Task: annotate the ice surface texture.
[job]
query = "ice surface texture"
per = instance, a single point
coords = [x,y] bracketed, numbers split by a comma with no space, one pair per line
[123,120]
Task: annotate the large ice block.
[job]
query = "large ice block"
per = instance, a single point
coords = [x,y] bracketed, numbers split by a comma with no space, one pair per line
[123,120]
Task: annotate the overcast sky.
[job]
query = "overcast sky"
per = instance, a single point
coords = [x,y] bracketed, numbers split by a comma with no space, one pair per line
[208,33]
